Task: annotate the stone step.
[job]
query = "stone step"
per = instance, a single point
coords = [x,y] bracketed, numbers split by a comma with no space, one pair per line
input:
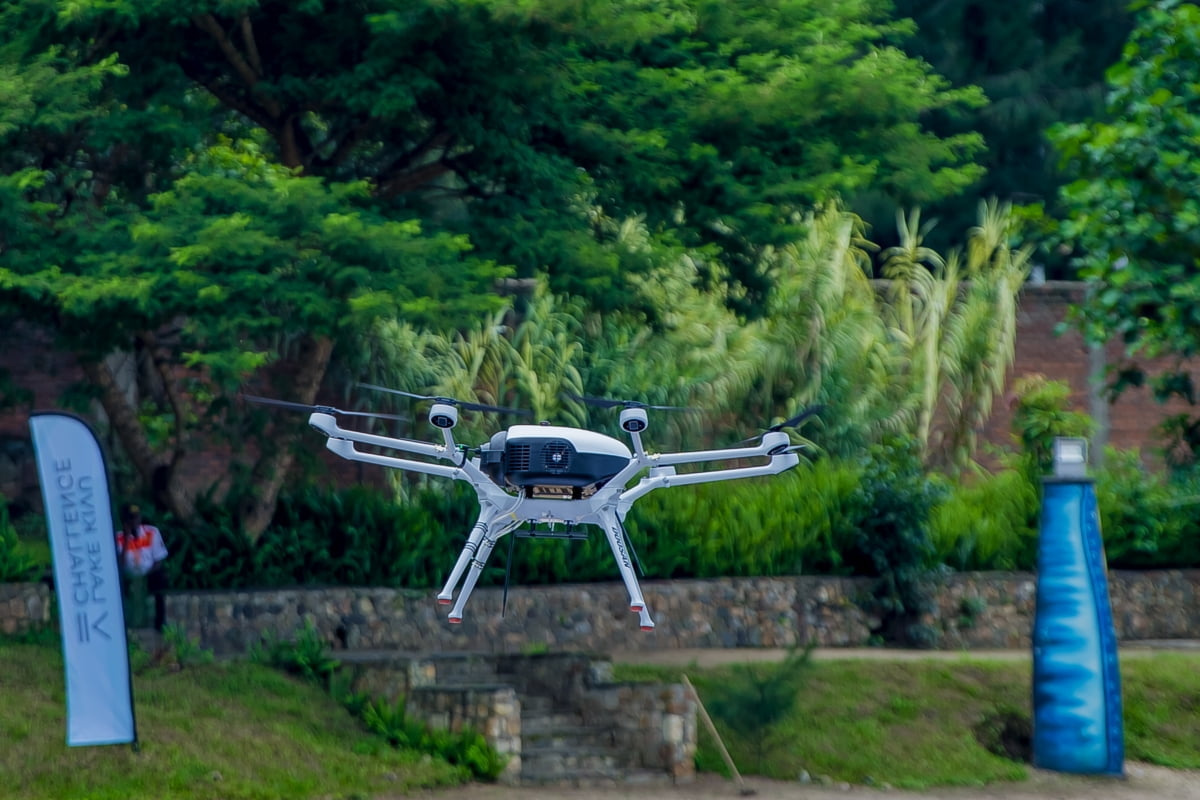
[568,761]
[541,721]
[601,779]
[560,737]
[465,672]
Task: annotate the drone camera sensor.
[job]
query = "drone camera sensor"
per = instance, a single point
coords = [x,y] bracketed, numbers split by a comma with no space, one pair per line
[633,420]
[443,415]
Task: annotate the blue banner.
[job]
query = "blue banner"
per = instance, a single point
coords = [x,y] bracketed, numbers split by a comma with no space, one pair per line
[1077,719]
[86,580]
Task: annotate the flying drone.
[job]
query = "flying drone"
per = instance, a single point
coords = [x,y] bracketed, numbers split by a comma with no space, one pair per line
[536,477]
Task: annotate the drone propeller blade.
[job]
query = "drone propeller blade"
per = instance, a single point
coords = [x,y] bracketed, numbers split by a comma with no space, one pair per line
[395,391]
[288,404]
[450,401]
[796,420]
[605,402]
[787,423]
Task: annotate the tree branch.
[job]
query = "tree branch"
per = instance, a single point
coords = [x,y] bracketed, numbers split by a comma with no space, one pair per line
[270,124]
[208,23]
[123,417]
[271,469]
[251,45]
[162,367]
[411,180]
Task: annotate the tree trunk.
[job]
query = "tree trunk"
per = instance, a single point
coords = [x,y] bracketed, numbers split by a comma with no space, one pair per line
[280,440]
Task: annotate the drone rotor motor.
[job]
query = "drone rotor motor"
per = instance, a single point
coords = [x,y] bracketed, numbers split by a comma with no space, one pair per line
[443,415]
[634,420]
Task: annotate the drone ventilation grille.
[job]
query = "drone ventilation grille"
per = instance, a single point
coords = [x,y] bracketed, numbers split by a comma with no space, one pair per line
[518,456]
[557,456]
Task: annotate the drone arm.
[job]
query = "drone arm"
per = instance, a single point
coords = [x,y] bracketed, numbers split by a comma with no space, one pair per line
[345,448]
[772,441]
[326,424]
[666,478]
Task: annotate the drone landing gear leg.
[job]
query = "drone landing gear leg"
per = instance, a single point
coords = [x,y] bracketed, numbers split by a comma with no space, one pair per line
[446,596]
[486,544]
[616,540]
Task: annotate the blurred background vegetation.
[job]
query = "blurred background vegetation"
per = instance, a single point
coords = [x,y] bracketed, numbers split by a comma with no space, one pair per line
[744,207]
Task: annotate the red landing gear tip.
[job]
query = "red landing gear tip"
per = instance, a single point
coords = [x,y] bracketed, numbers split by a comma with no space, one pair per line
[444,601]
[647,627]
[636,609]
[455,620]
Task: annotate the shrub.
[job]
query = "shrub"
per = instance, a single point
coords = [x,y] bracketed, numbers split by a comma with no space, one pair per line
[305,656]
[783,525]
[989,525]
[16,562]
[1146,519]
[756,696]
[1042,414]
[894,500]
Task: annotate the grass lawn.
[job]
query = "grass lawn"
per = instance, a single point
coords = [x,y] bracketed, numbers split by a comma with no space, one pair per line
[224,731]
[235,730]
[913,724]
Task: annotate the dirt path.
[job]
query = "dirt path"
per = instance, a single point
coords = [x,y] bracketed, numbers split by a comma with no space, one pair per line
[1142,782]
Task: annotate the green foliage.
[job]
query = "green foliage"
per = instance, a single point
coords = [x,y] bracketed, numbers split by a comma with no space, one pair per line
[757,696]
[1134,222]
[990,523]
[790,524]
[1040,63]
[893,502]
[217,198]
[954,320]
[1147,520]
[307,656]
[393,723]
[1043,413]
[304,654]
[185,649]
[467,748]
[215,553]
[16,563]
[355,536]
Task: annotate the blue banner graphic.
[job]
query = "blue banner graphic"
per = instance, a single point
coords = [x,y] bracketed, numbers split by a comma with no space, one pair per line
[86,579]
[1077,724]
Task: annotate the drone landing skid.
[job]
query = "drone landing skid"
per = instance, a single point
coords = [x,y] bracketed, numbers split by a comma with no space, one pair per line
[488,531]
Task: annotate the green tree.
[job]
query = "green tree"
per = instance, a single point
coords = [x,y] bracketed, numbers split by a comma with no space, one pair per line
[1040,62]
[511,118]
[242,268]
[180,263]
[1134,223]
[230,191]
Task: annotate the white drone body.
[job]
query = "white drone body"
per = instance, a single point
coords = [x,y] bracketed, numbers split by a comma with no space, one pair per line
[546,475]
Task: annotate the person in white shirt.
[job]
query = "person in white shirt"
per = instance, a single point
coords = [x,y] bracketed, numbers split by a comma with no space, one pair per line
[142,553]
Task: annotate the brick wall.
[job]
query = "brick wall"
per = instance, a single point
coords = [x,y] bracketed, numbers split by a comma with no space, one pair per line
[1132,418]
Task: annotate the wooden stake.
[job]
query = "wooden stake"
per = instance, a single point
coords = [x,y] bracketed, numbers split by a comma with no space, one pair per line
[708,723]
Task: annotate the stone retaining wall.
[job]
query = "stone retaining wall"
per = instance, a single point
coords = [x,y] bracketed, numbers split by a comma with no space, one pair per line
[976,610]
[23,606]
